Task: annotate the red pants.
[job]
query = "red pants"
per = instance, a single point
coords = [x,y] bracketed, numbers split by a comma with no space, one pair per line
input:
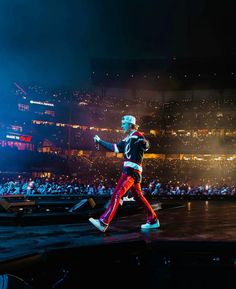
[125,183]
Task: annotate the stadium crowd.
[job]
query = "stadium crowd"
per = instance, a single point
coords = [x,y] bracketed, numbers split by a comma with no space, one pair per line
[163,178]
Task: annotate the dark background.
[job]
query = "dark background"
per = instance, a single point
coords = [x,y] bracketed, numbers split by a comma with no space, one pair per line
[51,42]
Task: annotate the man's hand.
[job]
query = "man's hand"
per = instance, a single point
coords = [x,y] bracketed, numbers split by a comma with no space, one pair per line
[96,138]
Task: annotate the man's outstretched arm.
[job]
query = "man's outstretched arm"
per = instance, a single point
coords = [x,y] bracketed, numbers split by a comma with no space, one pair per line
[106,145]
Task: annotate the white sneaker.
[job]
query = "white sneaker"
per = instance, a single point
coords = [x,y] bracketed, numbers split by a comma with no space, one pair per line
[99,225]
[149,226]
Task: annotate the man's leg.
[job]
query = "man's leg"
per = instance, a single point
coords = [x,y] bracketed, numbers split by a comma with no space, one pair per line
[123,185]
[141,200]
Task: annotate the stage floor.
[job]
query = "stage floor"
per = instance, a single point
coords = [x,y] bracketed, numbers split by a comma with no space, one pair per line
[197,232]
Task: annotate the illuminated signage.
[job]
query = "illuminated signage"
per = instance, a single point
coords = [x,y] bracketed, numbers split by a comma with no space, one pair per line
[41,103]
[12,136]
[24,138]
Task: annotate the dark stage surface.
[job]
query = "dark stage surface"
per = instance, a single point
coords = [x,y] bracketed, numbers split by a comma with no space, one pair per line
[196,236]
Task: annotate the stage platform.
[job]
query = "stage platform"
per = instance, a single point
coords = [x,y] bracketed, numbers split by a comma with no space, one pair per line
[195,247]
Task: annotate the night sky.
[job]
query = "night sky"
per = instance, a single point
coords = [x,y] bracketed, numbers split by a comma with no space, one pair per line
[51,42]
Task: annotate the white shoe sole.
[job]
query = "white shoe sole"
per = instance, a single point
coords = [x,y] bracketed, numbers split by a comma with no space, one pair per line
[98,225]
[150,227]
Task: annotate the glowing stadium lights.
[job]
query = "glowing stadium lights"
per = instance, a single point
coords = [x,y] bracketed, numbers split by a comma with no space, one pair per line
[41,103]
[186,158]
[198,158]
[230,159]
[217,159]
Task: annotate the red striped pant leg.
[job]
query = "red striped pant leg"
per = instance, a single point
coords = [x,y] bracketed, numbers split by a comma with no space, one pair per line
[123,185]
[142,201]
